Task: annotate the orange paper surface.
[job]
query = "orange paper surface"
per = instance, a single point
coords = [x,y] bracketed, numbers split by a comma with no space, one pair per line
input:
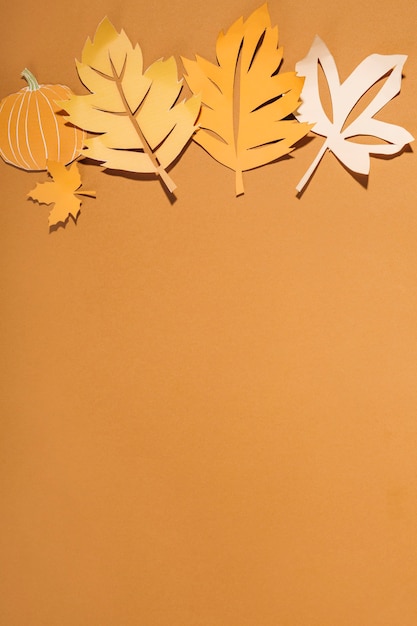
[208,406]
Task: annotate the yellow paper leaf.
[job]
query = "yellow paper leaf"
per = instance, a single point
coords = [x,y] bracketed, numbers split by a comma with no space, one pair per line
[138,123]
[62,191]
[245,101]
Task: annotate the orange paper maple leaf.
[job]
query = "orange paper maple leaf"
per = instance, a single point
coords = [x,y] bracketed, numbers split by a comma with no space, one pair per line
[62,191]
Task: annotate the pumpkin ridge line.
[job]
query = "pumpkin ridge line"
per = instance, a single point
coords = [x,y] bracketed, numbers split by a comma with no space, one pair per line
[50,88]
[8,129]
[26,130]
[17,131]
[41,129]
[56,125]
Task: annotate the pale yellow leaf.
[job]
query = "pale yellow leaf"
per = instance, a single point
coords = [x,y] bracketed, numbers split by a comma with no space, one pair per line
[385,69]
[97,149]
[140,124]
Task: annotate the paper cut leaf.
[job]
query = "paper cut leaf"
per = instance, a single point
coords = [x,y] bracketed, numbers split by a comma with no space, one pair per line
[139,125]
[62,191]
[344,97]
[244,99]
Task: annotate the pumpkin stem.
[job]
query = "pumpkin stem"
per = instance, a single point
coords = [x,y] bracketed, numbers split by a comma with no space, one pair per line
[32,82]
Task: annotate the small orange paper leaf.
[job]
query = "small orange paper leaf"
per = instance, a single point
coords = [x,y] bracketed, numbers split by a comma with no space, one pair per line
[247,106]
[62,191]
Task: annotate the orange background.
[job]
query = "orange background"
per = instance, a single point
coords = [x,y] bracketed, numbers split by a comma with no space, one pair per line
[208,409]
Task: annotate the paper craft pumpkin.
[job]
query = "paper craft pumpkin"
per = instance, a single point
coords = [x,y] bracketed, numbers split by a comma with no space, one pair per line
[33,128]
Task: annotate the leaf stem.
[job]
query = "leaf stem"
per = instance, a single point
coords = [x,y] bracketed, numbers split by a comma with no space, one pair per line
[311,169]
[240,190]
[159,170]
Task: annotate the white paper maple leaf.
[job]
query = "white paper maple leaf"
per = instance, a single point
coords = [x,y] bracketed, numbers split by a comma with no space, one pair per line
[344,97]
